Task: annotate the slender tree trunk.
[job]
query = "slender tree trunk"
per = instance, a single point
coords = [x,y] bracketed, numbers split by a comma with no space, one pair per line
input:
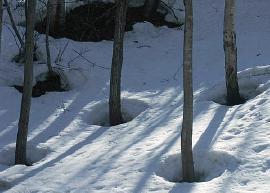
[1,24]
[58,14]
[117,60]
[53,13]
[14,25]
[48,17]
[20,154]
[229,41]
[186,134]
[62,15]
[150,7]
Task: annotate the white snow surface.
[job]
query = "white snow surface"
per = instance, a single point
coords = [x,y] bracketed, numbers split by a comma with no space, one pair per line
[70,153]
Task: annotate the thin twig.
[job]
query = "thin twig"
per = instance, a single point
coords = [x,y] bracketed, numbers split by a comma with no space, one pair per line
[14,36]
[171,10]
[144,46]
[177,71]
[13,24]
[93,64]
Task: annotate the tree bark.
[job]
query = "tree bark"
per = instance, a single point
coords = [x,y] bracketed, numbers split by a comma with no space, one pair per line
[229,42]
[58,14]
[61,15]
[150,7]
[21,142]
[117,60]
[1,24]
[14,25]
[48,17]
[186,134]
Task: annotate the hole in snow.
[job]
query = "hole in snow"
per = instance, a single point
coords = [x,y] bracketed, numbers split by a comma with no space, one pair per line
[252,82]
[207,166]
[34,154]
[131,108]
[249,88]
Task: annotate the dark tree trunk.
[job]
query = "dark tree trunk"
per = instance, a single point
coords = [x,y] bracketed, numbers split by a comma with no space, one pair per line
[229,41]
[117,60]
[58,14]
[21,142]
[61,14]
[150,7]
[1,23]
[186,134]
[48,17]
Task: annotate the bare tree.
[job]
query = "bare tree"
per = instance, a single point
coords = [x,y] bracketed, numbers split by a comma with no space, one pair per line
[58,14]
[48,18]
[229,42]
[186,134]
[1,23]
[21,142]
[117,60]
[61,15]
[150,7]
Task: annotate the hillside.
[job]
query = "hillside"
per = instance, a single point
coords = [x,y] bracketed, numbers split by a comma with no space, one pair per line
[70,152]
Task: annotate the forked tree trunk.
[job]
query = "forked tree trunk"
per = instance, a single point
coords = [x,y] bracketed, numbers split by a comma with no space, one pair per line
[186,134]
[229,41]
[21,142]
[150,7]
[117,60]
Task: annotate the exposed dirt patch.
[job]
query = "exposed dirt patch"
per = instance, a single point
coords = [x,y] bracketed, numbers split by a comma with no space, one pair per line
[95,22]
[51,83]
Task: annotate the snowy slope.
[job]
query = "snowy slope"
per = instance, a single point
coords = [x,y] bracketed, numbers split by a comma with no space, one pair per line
[71,154]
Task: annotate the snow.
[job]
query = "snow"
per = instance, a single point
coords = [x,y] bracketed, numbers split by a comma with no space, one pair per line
[69,152]
[99,113]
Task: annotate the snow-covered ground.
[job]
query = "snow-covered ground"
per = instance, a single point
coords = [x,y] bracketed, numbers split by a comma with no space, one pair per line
[72,154]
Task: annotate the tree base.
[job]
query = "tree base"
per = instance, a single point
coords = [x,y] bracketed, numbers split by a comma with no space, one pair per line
[232,102]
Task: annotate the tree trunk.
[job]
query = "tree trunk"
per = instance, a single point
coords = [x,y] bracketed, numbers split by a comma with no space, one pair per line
[150,7]
[62,15]
[186,134]
[229,41]
[58,14]
[1,24]
[48,17]
[21,142]
[117,60]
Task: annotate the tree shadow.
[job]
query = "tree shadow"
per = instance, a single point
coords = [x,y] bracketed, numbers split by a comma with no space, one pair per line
[152,164]
[97,133]
[233,182]
[205,142]
[150,123]
[63,122]
[182,188]
[212,130]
